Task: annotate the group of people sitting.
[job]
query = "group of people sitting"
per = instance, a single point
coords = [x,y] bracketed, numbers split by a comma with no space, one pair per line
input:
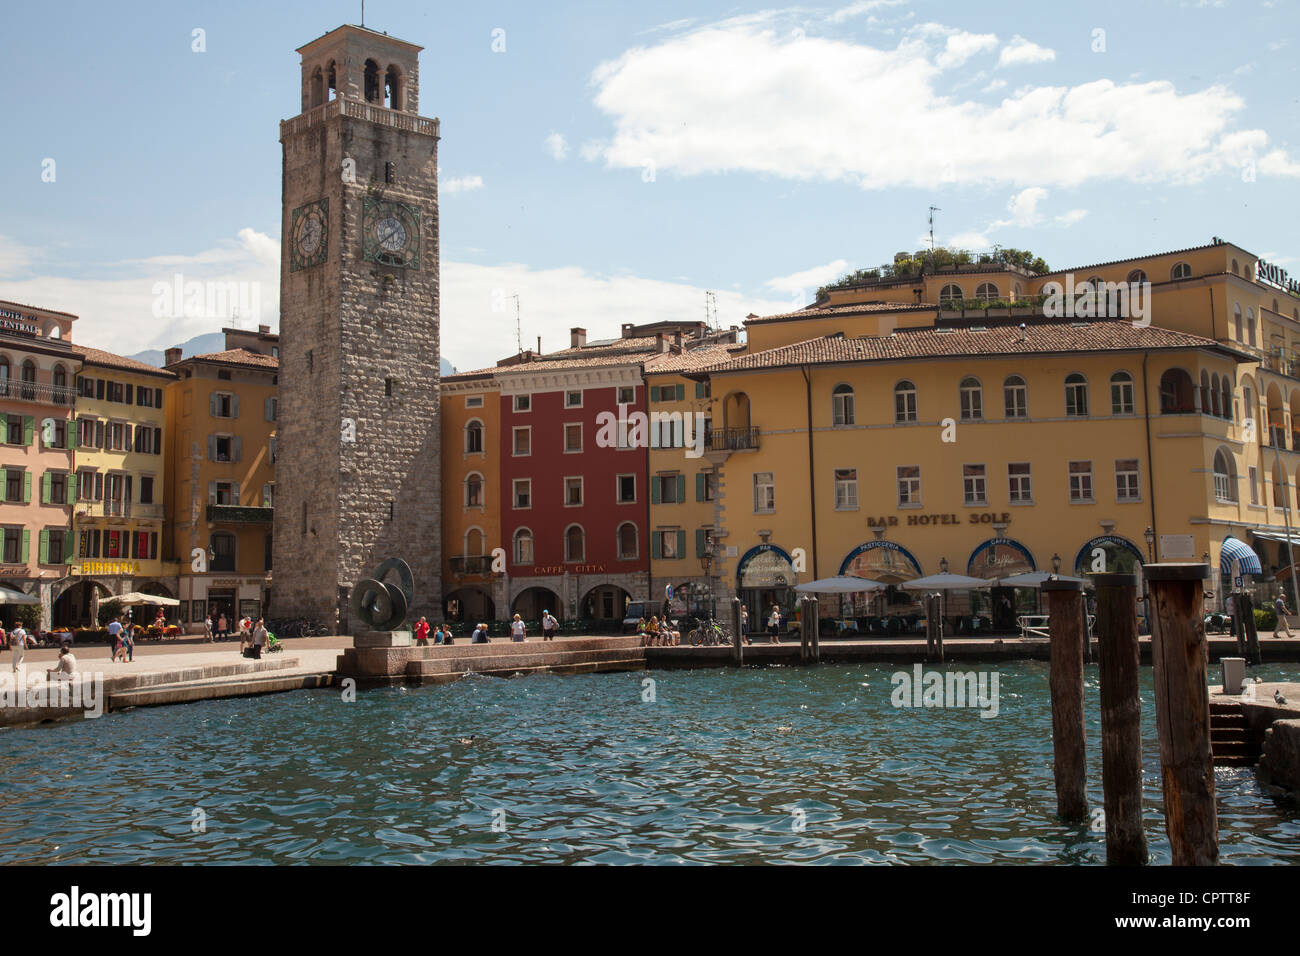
[442,634]
[656,633]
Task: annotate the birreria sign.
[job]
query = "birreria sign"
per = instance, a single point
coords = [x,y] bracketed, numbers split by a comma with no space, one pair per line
[1101,300]
[30,690]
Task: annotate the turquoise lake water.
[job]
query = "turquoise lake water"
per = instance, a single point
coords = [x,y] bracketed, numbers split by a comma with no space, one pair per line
[583,769]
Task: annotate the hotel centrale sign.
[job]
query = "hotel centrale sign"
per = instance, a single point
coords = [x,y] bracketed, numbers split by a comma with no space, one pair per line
[108,568]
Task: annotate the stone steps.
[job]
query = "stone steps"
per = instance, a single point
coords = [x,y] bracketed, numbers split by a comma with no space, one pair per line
[232,686]
[482,663]
[558,666]
[1232,741]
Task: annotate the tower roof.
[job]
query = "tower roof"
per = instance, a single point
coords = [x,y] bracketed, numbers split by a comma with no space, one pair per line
[347,28]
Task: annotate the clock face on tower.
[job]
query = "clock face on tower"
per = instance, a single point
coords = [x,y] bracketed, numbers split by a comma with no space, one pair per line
[309,235]
[390,233]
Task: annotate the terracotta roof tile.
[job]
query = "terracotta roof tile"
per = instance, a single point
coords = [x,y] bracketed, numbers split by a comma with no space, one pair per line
[238,357]
[1038,339]
[108,360]
[690,360]
[862,308]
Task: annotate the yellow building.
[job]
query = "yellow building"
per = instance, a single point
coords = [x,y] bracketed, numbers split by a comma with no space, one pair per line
[118,483]
[958,420]
[471,489]
[221,426]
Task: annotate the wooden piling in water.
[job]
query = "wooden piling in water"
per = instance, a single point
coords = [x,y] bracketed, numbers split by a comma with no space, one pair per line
[1121,718]
[1086,631]
[803,628]
[1180,659]
[1250,631]
[737,640]
[814,630]
[1069,633]
[934,627]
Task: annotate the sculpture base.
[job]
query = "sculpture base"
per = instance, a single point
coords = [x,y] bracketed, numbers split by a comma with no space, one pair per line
[382,639]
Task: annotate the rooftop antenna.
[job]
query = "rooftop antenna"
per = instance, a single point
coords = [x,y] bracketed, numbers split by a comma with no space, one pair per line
[933,210]
[519,339]
[363,12]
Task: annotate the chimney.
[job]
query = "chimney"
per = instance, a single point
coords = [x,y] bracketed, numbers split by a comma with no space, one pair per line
[659,342]
[263,329]
[172,356]
[539,345]
[677,340]
[627,330]
[577,338]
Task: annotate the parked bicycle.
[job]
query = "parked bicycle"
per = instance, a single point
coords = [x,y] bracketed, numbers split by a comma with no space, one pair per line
[709,633]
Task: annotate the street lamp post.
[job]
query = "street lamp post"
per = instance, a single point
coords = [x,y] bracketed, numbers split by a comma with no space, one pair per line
[1151,541]
[706,564]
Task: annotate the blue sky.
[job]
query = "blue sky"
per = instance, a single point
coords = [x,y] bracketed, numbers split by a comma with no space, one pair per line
[615,161]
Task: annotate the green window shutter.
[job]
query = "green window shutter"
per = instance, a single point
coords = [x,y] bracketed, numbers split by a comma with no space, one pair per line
[681,489]
[681,544]
[700,481]
[681,393]
[701,542]
[68,554]
[27,487]
[70,435]
[45,546]
[234,406]
[27,546]
[29,429]
[46,480]
[654,490]
[654,393]
[699,389]
[656,546]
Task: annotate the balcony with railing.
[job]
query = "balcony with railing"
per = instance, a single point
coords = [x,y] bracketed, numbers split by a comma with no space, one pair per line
[240,514]
[732,439]
[110,508]
[359,109]
[470,563]
[1282,360]
[17,390]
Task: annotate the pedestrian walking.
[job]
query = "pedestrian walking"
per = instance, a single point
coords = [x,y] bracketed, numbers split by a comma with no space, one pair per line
[774,625]
[518,633]
[744,624]
[223,627]
[207,627]
[128,642]
[259,639]
[115,638]
[422,633]
[18,634]
[19,648]
[549,626]
[1282,623]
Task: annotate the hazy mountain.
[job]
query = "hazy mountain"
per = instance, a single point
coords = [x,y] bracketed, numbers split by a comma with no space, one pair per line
[216,342]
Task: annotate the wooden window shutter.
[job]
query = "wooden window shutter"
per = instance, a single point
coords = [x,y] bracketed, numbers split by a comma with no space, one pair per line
[656,546]
[681,544]
[681,489]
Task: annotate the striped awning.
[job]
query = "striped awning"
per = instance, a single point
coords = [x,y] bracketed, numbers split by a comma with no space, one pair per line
[1235,551]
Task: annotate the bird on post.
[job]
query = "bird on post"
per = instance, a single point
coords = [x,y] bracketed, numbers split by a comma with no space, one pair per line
[1278,698]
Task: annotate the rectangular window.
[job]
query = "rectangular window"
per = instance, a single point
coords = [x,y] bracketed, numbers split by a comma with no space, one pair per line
[60,435]
[573,399]
[224,445]
[665,489]
[523,491]
[223,405]
[116,435]
[144,397]
[846,489]
[1127,487]
[973,485]
[13,545]
[572,492]
[1121,394]
[1081,481]
[54,546]
[86,432]
[626,489]
[523,403]
[13,484]
[523,437]
[626,395]
[224,493]
[1020,483]
[909,486]
[1254,484]
[668,541]
[58,488]
[86,484]
[473,401]
[573,437]
[764,493]
[1015,396]
[13,430]
[146,489]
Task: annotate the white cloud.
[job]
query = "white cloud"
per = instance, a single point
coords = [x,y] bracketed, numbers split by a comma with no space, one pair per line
[15,258]
[809,279]
[741,97]
[1023,208]
[960,47]
[460,184]
[556,146]
[1021,51]
[1071,217]
[970,240]
[861,7]
[994,86]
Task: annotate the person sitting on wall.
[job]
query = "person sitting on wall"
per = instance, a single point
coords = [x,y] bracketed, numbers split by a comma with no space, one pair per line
[66,666]
[480,635]
[422,633]
[446,634]
[650,636]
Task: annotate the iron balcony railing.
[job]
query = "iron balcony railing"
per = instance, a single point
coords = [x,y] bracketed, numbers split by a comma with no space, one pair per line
[1282,360]
[732,439]
[18,390]
[470,563]
[241,514]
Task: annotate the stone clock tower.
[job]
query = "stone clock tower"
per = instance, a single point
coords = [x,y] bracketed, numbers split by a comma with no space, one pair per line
[357,471]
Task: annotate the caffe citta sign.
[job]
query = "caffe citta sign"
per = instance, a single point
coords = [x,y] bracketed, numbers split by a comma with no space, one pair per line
[1276,275]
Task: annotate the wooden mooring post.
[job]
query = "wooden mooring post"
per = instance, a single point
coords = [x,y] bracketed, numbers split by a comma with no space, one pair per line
[1087,631]
[1068,628]
[1121,718]
[1246,604]
[1180,659]
[737,640]
[804,644]
[934,627]
[814,629]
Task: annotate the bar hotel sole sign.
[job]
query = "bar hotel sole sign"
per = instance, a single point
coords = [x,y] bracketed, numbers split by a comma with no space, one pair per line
[975,517]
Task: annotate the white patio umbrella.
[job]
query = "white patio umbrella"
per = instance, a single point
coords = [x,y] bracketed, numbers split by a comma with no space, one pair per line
[17,597]
[136,597]
[1034,579]
[840,584]
[947,582]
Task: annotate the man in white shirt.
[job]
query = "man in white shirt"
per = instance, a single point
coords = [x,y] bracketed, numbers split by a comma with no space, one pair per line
[18,642]
[549,626]
[66,667]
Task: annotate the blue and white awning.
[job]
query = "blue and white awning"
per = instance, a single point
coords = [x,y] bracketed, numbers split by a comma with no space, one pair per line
[1235,551]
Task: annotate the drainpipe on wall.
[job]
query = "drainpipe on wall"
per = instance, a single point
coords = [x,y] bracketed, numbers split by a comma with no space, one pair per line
[1151,476]
[812,478]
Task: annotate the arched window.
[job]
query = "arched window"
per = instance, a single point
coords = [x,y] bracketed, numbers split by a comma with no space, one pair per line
[474,542]
[1182,270]
[1121,394]
[1138,276]
[972,399]
[222,544]
[1225,398]
[474,490]
[1205,393]
[1238,323]
[1225,477]
[951,297]
[4,375]
[575,543]
[1250,327]
[1176,390]
[523,546]
[842,405]
[60,380]
[904,402]
[1076,396]
[1016,292]
[627,544]
[1236,269]
[29,380]
[394,89]
[1015,397]
[331,81]
[473,437]
[1216,396]
[370,79]
[986,292]
[317,87]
